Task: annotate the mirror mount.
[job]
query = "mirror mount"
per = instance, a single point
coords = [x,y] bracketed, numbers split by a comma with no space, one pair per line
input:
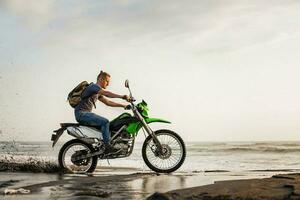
[127,83]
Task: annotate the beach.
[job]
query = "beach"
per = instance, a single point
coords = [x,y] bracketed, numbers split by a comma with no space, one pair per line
[32,167]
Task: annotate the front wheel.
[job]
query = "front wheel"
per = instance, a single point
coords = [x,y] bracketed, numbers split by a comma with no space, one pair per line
[69,157]
[172,155]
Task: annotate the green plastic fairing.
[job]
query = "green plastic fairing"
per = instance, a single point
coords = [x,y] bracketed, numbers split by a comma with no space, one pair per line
[151,120]
[133,128]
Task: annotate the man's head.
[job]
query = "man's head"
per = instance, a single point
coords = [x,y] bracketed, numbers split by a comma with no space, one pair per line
[103,79]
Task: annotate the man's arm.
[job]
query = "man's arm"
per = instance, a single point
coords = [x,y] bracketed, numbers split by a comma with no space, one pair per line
[111,103]
[111,94]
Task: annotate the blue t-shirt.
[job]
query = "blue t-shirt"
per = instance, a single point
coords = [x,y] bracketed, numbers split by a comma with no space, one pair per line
[88,98]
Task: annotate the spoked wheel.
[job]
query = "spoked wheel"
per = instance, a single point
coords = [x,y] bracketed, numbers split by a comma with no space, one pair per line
[172,155]
[70,157]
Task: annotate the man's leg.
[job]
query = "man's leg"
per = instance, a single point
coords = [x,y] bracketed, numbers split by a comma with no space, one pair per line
[95,120]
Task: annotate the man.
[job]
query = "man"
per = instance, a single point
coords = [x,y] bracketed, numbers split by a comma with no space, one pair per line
[83,111]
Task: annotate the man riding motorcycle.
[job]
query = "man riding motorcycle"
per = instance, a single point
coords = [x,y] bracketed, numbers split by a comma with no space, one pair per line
[83,111]
[163,150]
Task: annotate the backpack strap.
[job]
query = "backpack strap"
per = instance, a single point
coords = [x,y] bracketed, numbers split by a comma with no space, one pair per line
[88,96]
[94,104]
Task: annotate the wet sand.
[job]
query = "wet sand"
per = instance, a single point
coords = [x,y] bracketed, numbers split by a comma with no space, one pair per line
[119,183]
[278,187]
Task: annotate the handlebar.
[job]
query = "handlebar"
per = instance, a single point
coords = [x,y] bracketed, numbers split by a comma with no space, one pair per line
[130,106]
[131,100]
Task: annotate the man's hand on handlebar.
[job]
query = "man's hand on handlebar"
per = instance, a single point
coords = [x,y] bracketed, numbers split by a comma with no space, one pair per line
[126,97]
[128,107]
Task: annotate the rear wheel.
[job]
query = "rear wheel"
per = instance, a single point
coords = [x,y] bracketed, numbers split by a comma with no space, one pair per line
[172,155]
[69,157]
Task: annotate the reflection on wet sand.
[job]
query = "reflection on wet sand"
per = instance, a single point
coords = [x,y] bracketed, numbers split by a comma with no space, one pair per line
[157,182]
[71,186]
[109,183]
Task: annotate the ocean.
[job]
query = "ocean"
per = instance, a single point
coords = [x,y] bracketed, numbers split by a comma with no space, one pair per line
[201,156]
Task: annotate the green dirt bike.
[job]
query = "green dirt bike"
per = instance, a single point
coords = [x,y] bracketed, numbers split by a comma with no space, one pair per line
[163,150]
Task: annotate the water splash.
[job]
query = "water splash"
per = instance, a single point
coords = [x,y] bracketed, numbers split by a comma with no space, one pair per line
[10,163]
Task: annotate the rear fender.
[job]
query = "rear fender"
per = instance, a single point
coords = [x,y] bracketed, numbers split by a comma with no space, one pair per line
[57,135]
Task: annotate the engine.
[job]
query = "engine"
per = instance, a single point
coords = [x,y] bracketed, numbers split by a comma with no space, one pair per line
[124,147]
[124,141]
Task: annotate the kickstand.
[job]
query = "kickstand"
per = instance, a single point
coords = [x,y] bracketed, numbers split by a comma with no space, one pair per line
[108,161]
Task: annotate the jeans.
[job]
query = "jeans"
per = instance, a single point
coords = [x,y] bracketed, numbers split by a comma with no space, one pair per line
[88,118]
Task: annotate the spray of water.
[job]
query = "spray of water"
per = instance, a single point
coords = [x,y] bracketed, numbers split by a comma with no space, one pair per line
[10,163]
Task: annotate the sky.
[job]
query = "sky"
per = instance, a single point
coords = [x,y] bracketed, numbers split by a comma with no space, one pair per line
[218,70]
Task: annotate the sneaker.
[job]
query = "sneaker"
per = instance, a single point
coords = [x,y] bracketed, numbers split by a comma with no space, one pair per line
[109,149]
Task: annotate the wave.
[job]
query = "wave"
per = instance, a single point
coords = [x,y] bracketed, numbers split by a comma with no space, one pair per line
[263,149]
[245,149]
[278,143]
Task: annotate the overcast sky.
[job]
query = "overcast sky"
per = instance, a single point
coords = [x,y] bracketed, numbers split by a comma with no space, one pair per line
[220,70]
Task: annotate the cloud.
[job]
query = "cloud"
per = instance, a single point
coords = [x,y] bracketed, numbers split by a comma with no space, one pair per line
[207,25]
[35,14]
[201,26]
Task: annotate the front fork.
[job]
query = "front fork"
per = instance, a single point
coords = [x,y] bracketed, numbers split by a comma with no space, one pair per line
[148,129]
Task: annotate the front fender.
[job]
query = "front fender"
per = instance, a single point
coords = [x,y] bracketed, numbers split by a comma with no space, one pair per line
[151,120]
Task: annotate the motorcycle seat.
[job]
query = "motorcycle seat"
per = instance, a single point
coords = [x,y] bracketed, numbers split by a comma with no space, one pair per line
[64,125]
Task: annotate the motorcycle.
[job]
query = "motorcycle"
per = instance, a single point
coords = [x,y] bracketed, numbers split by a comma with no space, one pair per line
[163,150]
